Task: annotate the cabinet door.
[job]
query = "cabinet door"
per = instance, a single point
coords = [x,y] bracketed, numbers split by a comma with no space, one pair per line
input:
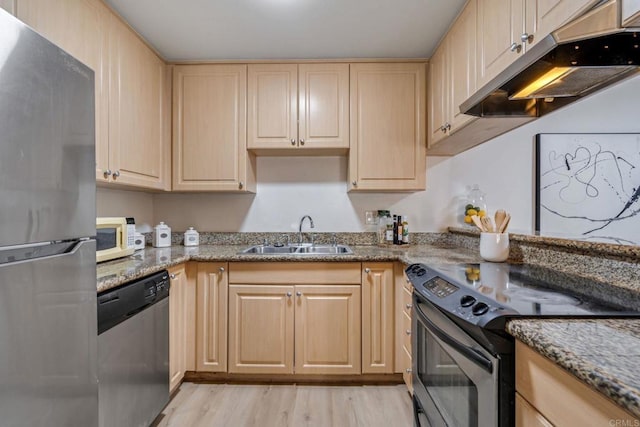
[387,123]
[211,317]
[261,329]
[182,322]
[377,318]
[631,13]
[327,329]
[500,25]
[209,128]
[528,416]
[546,16]
[323,102]
[80,28]
[9,6]
[138,125]
[272,116]
[438,94]
[462,64]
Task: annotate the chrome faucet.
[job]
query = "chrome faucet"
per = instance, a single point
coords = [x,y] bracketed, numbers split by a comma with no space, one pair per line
[300,227]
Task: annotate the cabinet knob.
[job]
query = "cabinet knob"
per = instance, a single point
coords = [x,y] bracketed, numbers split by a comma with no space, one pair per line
[116,174]
[293,141]
[289,294]
[354,183]
[301,141]
[298,294]
[408,370]
[221,269]
[240,185]
[173,276]
[107,173]
[409,306]
[526,38]
[408,331]
[447,127]
[367,270]
[515,47]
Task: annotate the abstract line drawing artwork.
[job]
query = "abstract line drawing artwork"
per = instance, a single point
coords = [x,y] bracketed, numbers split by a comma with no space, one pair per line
[588,187]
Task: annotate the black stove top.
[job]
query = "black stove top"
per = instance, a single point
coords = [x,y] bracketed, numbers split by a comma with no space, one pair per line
[487,294]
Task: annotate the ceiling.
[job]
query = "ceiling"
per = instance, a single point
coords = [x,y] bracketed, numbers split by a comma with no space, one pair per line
[290,29]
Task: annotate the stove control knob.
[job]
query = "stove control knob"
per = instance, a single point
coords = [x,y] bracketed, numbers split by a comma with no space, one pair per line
[480,308]
[421,272]
[467,301]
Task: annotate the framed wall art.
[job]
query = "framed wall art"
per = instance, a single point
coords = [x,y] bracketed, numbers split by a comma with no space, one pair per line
[588,187]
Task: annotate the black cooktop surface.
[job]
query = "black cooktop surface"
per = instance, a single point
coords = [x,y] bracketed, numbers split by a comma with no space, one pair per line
[481,292]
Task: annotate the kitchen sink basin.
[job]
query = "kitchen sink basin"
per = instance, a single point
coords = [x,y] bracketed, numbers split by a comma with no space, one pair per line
[299,250]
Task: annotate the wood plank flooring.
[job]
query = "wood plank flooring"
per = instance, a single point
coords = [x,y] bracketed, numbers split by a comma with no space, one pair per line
[200,405]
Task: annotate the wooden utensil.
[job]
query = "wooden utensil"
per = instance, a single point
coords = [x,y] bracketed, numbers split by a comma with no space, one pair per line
[477,222]
[487,223]
[499,218]
[505,224]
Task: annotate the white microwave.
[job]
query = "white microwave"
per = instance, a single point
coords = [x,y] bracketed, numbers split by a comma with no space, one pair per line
[114,237]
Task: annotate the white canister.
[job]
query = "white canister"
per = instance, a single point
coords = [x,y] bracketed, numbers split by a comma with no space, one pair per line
[191,237]
[494,247]
[161,235]
[138,241]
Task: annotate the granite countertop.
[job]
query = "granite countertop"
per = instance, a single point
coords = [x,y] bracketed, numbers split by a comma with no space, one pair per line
[114,273]
[603,353]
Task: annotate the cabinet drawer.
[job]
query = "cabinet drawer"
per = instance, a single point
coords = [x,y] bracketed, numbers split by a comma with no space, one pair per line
[326,273]
[406,370]
[406,302]
[406,327]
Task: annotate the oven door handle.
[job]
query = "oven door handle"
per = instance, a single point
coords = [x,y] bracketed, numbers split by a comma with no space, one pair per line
[470,353]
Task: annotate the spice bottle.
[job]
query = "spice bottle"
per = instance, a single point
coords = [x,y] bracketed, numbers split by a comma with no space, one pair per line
[405,230]
[395,229]
[399,232]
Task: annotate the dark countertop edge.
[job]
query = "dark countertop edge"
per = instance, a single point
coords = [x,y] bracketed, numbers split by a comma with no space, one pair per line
[627,252]
[586,372]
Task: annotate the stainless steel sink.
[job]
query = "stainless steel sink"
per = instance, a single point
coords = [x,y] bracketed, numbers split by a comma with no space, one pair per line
[299,250]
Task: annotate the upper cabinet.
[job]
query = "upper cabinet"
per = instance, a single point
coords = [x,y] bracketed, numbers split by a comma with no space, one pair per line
[387,123]
[80,28]
[631,13]
[9,6]
[209,129]
[303,107]
[506,28]
[138,111]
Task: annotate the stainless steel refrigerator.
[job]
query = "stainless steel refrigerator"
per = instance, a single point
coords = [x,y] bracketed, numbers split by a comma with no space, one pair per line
[48,322]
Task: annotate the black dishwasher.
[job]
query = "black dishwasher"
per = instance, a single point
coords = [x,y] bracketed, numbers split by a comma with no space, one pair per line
[133,351]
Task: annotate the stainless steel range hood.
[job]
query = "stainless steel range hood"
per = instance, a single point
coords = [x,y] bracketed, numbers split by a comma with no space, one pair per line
[582,57]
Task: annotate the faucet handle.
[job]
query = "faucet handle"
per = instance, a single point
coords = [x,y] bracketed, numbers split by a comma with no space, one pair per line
[313,239]
[265,242]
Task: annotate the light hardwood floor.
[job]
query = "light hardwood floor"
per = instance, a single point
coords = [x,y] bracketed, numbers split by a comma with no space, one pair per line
[287,405]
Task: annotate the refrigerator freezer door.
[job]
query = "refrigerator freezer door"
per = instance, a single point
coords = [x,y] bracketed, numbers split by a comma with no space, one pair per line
[47,140]
[48,340]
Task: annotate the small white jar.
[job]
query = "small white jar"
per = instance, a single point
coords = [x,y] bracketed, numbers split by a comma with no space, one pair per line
[161,235]
[138,241]
[191,237]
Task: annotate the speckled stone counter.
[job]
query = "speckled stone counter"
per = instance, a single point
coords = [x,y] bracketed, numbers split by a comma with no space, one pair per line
[605,354]
[150,260]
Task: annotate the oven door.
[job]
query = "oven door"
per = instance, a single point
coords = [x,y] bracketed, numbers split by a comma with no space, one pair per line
[455,380]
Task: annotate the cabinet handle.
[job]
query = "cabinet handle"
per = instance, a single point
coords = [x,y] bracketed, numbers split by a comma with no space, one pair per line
[293,141]
[408,331]
[301,141]
[409,306]
[407,280]
[367,270]
[116,174]
[240,185]
[221,269]
[298,294]
[354,183]
[447,127]
[526,38]
[443,129]
[289,294]
[173,276]
[408,370]
[515,47]
[107,173]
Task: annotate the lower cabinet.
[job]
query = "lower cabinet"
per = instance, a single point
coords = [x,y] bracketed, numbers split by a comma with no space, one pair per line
[301,318]
[377,318]
[182,298]
[403,306]
[211,317]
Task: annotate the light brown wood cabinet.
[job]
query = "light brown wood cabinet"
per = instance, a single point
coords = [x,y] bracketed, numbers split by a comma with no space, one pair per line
[506,29]
[403,315]
[298,106]
[631,13]
[209,129]
[387,124]
[377,318]
[80,27]
[139,115]
[301,318]
[182,322]
[571,403]
[9,6]
[211,317]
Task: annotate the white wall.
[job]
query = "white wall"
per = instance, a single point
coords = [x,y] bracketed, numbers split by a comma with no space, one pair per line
[290,187]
